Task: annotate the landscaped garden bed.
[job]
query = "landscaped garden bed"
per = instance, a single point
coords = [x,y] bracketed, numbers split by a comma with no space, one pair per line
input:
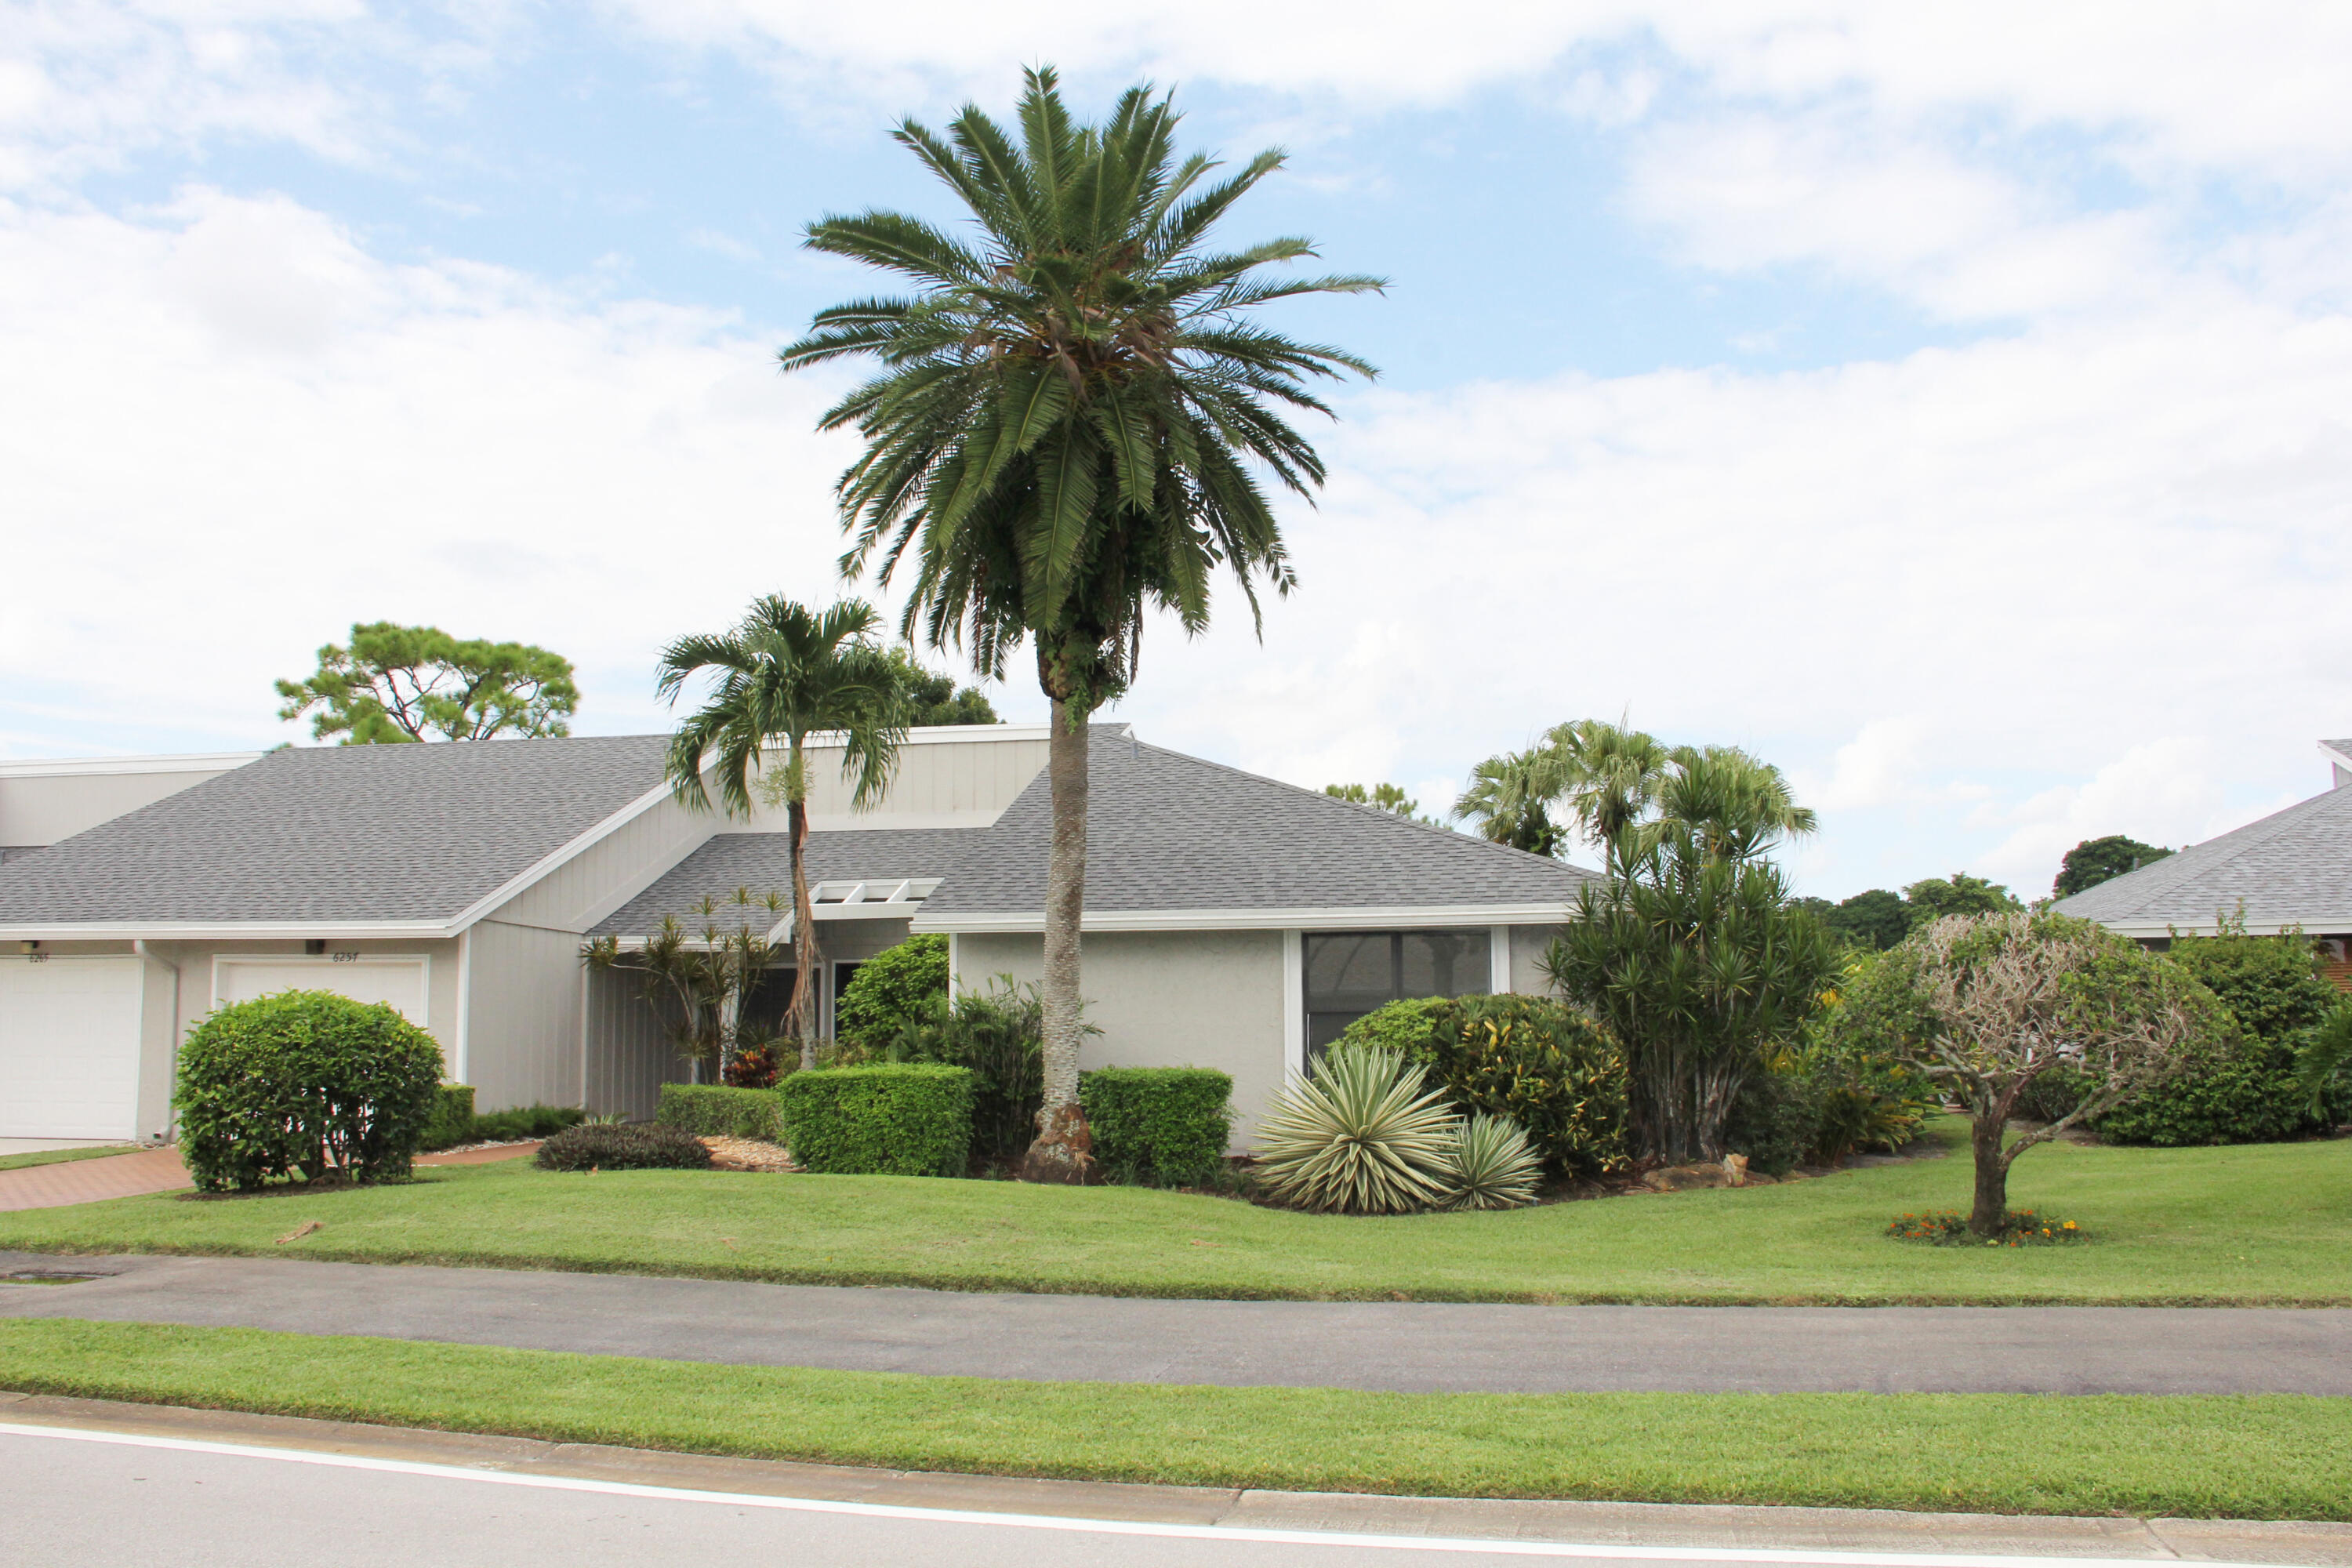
[2265,1223]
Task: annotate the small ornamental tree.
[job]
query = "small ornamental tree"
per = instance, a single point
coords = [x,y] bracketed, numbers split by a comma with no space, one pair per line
[1984,1004]
[696,978]
[304,1083]
[1698,966]
[897,986]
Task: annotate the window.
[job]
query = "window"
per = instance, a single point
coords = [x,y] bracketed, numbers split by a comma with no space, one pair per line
[842,976]
[762,1010]
[1350,973]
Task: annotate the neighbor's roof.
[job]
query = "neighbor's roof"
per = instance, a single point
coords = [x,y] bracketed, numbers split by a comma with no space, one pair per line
[347,835]
[1174,842]
[2292,868]
[761,862]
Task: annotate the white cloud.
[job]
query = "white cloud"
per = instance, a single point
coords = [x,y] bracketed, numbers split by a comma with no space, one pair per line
[233,433]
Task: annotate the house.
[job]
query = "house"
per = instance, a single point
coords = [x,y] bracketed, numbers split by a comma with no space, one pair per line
[2290,872]
[1230,921]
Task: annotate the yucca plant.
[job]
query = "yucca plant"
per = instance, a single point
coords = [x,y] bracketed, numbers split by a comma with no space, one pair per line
[1364,1135]
[1494,1166]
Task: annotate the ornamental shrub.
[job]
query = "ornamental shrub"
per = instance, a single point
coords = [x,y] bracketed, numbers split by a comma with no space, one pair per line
[999,1034]
[305,1083]
[1158,1126]
[896,986]
[452,1122]
[1534,1059]
[1365,1135]
[715,1110]
[522,1121]
[2238,1086]
[895,1118]
[608,1146]
[1775,1120]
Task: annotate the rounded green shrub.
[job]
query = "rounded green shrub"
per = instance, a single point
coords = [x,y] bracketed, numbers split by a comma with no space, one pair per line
[1534,1059]
[305,1083]
[895,988]
[607,1146]
[2238,1086]
[1158,1126]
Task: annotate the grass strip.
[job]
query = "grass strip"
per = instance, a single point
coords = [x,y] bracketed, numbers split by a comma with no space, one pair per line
[60,1156]
[2265,1225]
[2259,1457]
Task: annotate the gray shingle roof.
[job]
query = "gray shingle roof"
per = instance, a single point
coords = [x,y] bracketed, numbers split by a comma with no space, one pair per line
[2293,868]
[762,862]
[1169,832]
[337,833]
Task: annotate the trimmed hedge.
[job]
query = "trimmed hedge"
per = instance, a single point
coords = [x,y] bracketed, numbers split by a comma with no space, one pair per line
[897,986]
[902,1118]
[606,1146]
[1160,1126]
[522,1121]
[304,1083]
[453,1118]
[715,1110]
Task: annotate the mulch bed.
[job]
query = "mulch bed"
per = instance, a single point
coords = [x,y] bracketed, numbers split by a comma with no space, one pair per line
[748,1154]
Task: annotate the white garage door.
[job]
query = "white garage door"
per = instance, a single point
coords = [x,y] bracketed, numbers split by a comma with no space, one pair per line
[70,1047]
[399,980]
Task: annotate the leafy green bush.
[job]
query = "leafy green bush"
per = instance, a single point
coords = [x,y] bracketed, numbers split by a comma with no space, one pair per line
[522,1121]
[895,987]
[452,1122]
[304,1083]
[900,1119]
[608,1146]
[1160,1126]
[1775,1118]
[999,1034]
[715,1110]
[1364,1135]
[2238,1086]
[1531,1058]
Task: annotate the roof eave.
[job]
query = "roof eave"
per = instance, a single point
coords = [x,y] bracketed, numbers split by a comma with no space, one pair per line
[1357,917]
[222,930]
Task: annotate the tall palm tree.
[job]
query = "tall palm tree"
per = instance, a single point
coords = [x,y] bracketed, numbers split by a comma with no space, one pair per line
[1071,427]
[1510,799]
[785,673]
[1611,776]
[1739,806]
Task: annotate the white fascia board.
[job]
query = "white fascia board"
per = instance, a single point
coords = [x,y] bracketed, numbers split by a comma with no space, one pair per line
[2335,753]
[222,930]
[945,735]
[90,767]
[2323,925]
[1354,919]
[488,902]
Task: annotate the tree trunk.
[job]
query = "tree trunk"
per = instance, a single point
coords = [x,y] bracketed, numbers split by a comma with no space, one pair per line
[1992,1172]
[802,1013]
[1064,1149]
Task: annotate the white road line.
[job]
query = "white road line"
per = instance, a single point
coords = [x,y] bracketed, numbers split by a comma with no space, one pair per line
[1096,1526]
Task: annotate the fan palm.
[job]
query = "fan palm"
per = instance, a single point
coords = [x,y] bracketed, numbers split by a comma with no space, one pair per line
[1510,798]
[1072,427]
[1739,806]
[783,674]
[1610,776]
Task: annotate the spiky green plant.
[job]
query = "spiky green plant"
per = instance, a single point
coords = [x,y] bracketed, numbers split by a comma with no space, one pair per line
[1494,1166]
[1364,1135]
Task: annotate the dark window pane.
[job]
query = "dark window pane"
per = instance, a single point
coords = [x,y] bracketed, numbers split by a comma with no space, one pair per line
[1354,973]
[763,1008]
[1443,964]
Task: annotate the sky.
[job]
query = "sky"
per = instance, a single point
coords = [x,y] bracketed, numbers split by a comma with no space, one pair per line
[1952,406]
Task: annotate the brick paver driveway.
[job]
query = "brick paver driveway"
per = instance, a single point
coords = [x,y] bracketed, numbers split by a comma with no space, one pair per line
[158,1171]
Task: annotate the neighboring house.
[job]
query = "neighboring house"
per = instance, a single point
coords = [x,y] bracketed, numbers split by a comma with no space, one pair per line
[42,801]
[1231,921]
[2290,872]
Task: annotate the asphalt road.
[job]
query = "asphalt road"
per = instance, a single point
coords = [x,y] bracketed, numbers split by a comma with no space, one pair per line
[1415,1347]
[85,1483]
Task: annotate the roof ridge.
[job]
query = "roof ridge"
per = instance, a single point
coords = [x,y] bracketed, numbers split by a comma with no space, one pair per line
[1451,834]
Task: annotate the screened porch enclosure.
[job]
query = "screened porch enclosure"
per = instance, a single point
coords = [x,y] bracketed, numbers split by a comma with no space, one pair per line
[1350,973]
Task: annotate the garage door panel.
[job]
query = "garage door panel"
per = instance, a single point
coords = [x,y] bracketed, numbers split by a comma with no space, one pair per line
[400,982]
[70,1047]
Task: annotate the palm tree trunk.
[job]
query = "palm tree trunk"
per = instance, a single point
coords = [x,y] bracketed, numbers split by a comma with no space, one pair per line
[1063,1150]
[802,1013]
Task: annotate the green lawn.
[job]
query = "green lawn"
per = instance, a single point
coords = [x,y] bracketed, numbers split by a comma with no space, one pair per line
[2269,1223]
[59,1156]
[2272,1457]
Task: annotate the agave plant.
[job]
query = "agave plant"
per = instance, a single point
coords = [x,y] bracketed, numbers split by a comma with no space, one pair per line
[1364,1135]
[1494,1166]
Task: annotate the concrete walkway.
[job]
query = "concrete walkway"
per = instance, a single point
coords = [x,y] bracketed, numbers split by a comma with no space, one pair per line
[139,1172]
[74,1487]
[1412,1347]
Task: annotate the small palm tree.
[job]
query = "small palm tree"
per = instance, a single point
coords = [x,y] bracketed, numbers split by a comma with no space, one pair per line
[1072,427]
[785,673]
[1610,775]
[1741,807]
[1510,798]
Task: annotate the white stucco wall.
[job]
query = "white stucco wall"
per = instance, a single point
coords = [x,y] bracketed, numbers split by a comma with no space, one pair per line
[1527,946]
[1209,999]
